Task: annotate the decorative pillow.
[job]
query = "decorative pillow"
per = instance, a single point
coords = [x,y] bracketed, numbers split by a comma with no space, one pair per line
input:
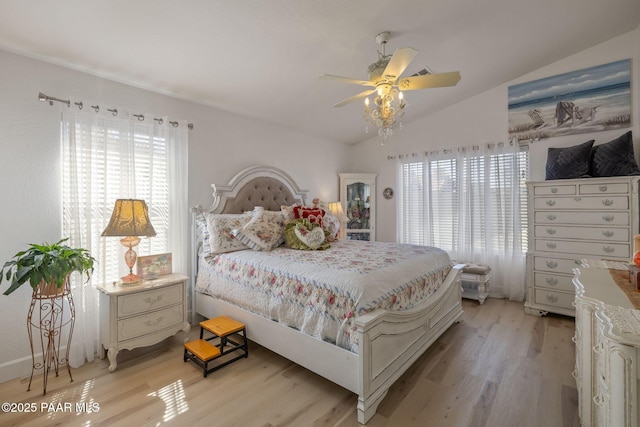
[314,215]
[614,158]
[221,226]
[288,212]
[264,232]
[331,225]
[304,235]
[569,162]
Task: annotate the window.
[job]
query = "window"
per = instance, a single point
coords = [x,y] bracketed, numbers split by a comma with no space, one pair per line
[472,204]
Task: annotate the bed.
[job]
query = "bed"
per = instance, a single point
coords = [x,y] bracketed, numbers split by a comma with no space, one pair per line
[368,333]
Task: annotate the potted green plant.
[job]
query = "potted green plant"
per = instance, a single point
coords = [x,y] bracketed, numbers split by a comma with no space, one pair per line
[46,267]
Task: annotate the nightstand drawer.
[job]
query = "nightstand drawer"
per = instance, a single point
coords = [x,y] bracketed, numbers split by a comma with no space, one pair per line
[136,326]
[556,299]
[153,299]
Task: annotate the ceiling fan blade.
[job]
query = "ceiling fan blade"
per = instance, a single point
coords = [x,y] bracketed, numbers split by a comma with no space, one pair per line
[429,81]
[347,80]
[399,62]
[355,97]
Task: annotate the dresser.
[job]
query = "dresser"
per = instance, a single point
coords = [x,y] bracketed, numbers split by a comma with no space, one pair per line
[142,314]
[607,342]
[570,220]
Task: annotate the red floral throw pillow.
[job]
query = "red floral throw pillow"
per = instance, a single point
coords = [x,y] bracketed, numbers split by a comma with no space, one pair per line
[314,215]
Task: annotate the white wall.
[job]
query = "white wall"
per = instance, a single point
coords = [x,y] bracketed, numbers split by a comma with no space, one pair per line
[220,145]
[483,119]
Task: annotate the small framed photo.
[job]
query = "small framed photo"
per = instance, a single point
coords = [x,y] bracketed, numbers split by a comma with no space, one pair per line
[152,266]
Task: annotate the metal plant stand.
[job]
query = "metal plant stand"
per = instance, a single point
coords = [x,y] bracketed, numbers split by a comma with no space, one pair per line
[51,313]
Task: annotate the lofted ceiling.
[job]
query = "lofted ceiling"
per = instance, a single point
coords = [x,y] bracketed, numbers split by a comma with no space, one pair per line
[262,59]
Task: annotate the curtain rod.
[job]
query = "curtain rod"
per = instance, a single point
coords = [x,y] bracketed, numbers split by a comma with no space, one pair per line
[44,98]
[473,147]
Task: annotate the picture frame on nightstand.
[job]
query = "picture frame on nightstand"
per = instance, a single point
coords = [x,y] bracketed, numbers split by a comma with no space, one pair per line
[152,266]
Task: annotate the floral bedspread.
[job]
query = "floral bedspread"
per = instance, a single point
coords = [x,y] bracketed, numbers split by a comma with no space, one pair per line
[321,292]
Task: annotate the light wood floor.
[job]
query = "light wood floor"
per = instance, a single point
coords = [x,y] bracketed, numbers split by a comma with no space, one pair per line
[498,367]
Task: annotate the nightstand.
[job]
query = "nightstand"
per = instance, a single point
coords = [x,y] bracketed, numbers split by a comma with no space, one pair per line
[143,314]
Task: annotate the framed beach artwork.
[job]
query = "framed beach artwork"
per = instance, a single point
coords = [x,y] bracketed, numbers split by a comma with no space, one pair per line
[152,266]
[588,100]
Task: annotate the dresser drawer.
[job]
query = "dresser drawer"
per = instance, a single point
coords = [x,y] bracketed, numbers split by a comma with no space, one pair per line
[153,299]
[582,218]
[555,265]
[143,324]
[615,188]
[582,202]
[553,281]
[598,249]
[555,190]
[555,299]
[583,233]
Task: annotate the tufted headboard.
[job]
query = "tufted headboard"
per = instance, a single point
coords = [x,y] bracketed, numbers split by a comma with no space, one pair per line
[255,186]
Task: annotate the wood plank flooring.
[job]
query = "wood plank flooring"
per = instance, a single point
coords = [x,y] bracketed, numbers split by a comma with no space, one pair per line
[498,367]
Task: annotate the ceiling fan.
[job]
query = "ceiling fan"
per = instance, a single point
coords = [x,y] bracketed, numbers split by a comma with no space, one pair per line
[384,74]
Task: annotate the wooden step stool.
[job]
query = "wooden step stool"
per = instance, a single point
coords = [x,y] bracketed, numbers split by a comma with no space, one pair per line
[203,351]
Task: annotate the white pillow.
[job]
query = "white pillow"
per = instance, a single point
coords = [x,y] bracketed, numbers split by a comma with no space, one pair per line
[221,226]
[264,231]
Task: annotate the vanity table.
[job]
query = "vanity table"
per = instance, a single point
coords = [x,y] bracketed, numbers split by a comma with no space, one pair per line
[607,344]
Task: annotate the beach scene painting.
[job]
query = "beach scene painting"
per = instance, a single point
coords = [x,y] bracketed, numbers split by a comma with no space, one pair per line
[588,100]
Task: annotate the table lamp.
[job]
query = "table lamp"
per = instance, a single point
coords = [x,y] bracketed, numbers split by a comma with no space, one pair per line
[336,209]
[130,218]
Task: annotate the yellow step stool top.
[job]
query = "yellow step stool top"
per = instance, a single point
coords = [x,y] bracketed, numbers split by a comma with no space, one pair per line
[222,325]
[202,349]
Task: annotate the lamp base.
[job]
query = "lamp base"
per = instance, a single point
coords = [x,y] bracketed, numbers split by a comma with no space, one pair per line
[131,279]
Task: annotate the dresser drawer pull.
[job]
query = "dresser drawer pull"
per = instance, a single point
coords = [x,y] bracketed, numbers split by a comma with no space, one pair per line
[577,199]
[551,217]
[598,348]
[607,202]
[551,281]
[552,298]
[552,264]
[608,249]
[554,190]
[578,262]
[598,400]
[608,233]
[608,218]
[149,323]
[150,301]
[551,245]
[551,231]
[602,188]
[551,202]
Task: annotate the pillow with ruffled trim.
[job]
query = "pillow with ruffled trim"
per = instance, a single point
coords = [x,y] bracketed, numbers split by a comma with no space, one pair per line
[220,228]
[304,235]
[264,232]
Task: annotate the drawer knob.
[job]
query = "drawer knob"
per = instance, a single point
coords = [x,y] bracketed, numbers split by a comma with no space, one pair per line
[551,202]
[551,281]
[607,202]
[551,217]
[577,199]
[551,245]
[552,298]
[551,231]
[608,249]
[152,301]
[608,218]
[149,323]
[602,188]
[552,264]
[554,190]
[608,233]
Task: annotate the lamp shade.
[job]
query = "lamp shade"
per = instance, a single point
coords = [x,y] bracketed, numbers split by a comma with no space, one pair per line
[336,209]
[130,217]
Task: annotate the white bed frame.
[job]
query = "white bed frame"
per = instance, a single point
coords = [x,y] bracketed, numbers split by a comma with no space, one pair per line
[389,342]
